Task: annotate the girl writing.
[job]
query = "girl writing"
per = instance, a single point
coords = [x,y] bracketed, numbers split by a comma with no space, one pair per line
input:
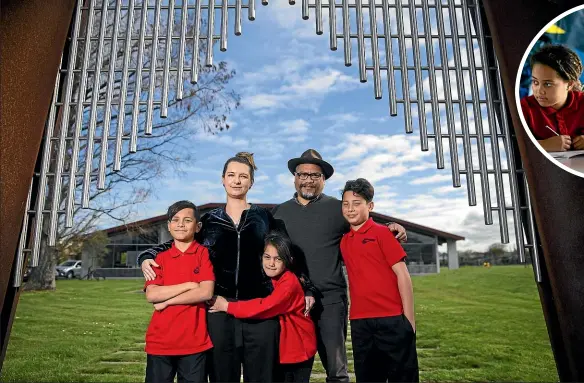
[554,111]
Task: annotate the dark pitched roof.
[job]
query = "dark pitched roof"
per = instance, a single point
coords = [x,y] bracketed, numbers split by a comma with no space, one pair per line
[382,218]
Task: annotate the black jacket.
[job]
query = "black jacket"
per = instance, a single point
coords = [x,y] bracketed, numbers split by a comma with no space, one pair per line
[235,252]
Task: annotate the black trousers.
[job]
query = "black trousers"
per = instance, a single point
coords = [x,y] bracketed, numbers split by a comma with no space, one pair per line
[296,372]
[384,350]
[187,368]
[331,333]
[237,342]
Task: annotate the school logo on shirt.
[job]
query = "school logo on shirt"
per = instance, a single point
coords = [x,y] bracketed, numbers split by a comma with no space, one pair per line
[366,240]
[196,271]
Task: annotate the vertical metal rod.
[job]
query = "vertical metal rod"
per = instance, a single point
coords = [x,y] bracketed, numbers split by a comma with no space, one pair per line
[375,50]
[210,32]
[108,99]
[346,32]
[181,52]
[93,113]
[333,24]
[517,217]
[318,5]
[403,59]
[418,76]
[224,22]
[531,225]
[466,143]
[45,165]
[152,74]
[138,84]
[167,59]
[124,88]
[389,60]
[305,14]
[251,10]
[64,127]
[432,80]
[78,123]
[237,17]
[361,42]
[477,117]
[492,128]
[22,243]
[196,38]
[450,122]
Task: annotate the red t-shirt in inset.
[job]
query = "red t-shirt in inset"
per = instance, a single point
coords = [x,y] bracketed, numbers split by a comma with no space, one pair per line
[569,120]
[297,332]
[369,254]
[180,329]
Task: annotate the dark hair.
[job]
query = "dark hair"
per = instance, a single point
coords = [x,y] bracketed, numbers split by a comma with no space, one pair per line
[283,246]
[361,187]
[562,59]
[178,206]
[243,158]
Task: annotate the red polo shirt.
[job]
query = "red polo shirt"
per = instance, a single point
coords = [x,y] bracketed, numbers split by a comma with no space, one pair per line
[297,332]
[569,120]
[180,329]
[369,254]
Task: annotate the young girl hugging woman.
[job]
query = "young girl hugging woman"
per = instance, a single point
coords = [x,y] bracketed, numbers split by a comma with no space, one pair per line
[297,331]
[555,111]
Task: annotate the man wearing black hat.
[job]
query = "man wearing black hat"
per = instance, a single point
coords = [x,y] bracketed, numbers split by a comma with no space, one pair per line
[315,223]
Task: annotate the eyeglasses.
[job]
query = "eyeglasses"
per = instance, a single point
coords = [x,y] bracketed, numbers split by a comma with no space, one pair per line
[304,176]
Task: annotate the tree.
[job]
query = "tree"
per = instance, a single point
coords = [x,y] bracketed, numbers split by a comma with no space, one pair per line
[205,106]
[496,251]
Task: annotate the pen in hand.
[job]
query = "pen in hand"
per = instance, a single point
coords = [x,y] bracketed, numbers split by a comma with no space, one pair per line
[553,131]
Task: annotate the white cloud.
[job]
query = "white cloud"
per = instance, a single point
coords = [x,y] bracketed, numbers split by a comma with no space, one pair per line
[384,160]
[285,179]
[307,93]
[444,190]
[449,213]
[298,126]
[296,139]
[264,101]
[261,178]
[398,147]
[436,178]
[221,138]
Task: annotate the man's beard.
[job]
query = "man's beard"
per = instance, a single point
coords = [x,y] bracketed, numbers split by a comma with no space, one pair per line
[308,196]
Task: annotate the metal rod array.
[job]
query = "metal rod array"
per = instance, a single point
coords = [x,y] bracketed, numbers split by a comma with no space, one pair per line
[117,79]
[452,82]
[112,76]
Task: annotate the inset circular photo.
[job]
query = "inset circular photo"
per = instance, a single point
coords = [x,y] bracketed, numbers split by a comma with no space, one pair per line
[550,94]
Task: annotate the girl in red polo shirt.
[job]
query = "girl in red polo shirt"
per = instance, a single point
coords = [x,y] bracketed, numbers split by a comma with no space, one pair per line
[297,332]
[554,112]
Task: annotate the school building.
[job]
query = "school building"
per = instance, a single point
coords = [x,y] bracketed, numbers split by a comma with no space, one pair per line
[127,241]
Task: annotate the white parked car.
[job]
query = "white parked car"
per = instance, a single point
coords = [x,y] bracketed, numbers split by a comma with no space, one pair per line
[69,269]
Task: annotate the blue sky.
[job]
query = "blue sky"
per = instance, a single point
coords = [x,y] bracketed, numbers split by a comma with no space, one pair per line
[297,94]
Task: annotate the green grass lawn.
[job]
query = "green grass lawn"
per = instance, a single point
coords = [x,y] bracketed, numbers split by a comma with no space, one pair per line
[473,324]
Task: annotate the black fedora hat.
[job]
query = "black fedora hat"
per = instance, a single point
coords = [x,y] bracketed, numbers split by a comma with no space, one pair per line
[311,156]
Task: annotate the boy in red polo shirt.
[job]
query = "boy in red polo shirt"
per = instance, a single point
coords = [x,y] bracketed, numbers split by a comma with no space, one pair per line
[297,331]
[177,335]
[382,298]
